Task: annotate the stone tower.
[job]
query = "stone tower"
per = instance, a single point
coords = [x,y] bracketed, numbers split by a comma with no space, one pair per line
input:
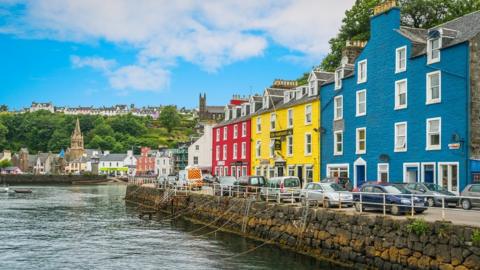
[76,143]
[202,106]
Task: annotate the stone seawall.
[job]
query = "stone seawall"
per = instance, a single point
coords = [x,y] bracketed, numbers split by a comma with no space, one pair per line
[25,179]
[353,240]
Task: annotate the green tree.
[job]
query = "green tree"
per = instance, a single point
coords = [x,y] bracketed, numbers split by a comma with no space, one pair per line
[3,108]
[415,13]
[169,118]
[3,136]
[102,129]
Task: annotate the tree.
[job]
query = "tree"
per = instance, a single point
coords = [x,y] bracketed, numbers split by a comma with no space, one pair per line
[3,108]
[3,135]
[169,118]
[415,13]
[5,164]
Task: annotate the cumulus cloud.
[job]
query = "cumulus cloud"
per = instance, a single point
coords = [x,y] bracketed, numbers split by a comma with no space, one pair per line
[209,33]
[93,62]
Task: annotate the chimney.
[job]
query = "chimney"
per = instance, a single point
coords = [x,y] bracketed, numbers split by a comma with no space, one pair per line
[386,17]
[352,50]
[385,6]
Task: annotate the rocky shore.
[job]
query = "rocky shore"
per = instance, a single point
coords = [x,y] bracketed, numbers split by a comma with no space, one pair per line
[353,240]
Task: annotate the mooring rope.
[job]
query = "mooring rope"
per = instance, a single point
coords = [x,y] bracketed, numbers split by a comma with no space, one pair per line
[254,248]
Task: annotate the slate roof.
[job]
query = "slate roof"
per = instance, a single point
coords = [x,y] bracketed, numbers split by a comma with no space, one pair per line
[113,157]
[32,160]
[460,30]
[215,109]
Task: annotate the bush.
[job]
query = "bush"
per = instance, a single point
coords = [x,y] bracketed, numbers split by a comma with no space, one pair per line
[418,226]
[476,238]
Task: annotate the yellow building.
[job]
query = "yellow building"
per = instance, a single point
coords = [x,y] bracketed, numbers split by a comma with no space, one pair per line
[286,131]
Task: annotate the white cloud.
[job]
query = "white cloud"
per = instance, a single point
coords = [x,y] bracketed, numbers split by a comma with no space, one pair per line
[208,33]
[93,62]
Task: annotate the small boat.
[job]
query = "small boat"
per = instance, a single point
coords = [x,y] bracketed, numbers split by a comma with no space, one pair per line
[4,189]
[23,190]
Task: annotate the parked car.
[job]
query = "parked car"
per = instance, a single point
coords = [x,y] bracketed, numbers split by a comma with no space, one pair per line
[343,181]
[397,199]
[227,185]
[252,183]
[328,194]
[285,188]
[434,194]
[473,191]
[208,178]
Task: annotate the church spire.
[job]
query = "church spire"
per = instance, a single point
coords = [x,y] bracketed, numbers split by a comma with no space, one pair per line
[76,142]
[77,131]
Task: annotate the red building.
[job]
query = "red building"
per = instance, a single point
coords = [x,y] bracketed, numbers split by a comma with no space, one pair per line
[231,140]
[146,162]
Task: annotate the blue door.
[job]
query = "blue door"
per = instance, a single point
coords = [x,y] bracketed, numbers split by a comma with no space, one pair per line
[360,173]
[428,176]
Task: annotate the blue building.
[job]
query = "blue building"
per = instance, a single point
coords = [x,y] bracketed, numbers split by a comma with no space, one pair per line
[404,106]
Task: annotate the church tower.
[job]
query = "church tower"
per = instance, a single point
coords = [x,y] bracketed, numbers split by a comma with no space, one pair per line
[76,143]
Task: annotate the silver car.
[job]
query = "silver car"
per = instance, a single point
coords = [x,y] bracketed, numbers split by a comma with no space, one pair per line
[327,194]
[473,192]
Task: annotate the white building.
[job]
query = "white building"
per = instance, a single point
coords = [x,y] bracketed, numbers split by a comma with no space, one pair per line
[164,163]
[118,164]
[200,152]
[42,107]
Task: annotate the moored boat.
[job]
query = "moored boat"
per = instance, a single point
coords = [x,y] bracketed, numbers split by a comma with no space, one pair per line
[23,190]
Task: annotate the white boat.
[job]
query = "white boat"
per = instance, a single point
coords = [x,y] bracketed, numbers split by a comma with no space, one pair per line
[4,189]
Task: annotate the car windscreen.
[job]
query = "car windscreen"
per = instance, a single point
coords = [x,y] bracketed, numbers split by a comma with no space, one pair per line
[435,187]
[333,187]
[395,190]
[291,182]
[227,180]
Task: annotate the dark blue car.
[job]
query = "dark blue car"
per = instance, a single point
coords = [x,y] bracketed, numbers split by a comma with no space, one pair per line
[398,200]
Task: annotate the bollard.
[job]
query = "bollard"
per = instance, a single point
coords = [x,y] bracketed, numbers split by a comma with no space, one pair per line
[230,191]
[278,199]
[361,204]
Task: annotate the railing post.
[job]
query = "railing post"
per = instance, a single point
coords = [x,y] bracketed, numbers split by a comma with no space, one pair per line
[384,205]
[266,196]
[229,191]
[361,203]
[238,191]
[291,193]
[443,208]
[214,190]
[413,210]
[278,198]
[339,200]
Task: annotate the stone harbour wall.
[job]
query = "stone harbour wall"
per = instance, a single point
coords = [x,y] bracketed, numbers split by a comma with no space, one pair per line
[27,179]
[348,239]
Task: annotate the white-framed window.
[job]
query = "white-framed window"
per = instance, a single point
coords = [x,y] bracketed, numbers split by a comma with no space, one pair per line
[309,173]
[258,149]
[291,170]
[361,141]
[428,172]
[338,108]
[289,146]
[244,129]
[225,171]
[401,90]
[259,124]
[217,152]
[225,152]
[235,131]
[362,71]
[244,150]
[383,172]
[244,170]
[272,148]
[401,59]
[273,121]
[308,144]
[338,170]
[401,137]
[433,50]
[434,133]
[290,118]
[434,87]
[338,143]
[313,88]
[235,151]
[265,102]
[218,134]
[225,132]
[338,78]
[258,171]
[308,114]
[361,109]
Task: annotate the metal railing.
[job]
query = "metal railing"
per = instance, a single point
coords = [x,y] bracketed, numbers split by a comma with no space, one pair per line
[410,204]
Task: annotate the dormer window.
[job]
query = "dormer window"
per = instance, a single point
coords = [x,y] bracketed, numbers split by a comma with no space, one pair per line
[227,114]
[286,97]
[304,91]
[234,113]
[252,107]
[433,47]
[265,102]
[312,90]
[338,78]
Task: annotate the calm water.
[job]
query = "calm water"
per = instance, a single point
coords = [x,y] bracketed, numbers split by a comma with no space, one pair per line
[90,227]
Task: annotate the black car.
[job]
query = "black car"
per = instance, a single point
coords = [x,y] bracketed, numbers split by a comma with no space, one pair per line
[252,183]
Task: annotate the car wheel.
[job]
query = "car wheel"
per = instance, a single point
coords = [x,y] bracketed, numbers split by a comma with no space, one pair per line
[358,208]
[466,204]
[395,210]
[419,211]
[430,202]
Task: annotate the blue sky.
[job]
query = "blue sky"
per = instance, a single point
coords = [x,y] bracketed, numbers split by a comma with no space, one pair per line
[121,52]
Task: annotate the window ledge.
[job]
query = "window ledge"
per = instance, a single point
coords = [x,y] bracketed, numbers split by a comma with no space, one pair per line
[338,154]
[400,150]
[360,82]
[360,152]
[400,71]
[308,155]
[400,108]
[433,101]
[336,119]
[433,148]
[307,124]
[433,61]
[360,114]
